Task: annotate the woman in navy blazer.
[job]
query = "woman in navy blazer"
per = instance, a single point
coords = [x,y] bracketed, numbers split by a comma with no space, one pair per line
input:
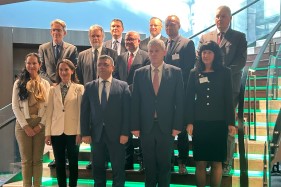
[63,121]
[210,112]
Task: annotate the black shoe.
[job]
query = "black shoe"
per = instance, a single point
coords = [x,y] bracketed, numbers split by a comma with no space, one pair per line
[172,168]
[106,165]
[129,167]
[89,165]
[52,164]
[141,167]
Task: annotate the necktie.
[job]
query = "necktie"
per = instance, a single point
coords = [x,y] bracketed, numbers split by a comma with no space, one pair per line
[114,47]
[155,81]
[170,46]
[103,95]
[220,37]
[95,60]
[57,52]
[130,61]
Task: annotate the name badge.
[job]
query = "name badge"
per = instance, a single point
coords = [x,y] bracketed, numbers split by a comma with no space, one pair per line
[175,56]
[203,80]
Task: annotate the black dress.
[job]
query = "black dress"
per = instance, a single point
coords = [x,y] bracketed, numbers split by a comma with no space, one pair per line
[210,110]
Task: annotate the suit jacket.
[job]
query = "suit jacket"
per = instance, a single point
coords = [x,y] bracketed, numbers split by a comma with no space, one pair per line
[185,49]
[84,69]
[168,103]
[108,44]
[47,57]
[64,117]
[234,48]
[210,101]
[141,59]
[143,43]
[114,119]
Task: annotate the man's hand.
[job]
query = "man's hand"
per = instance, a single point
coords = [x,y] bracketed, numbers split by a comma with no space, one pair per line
[123,139]
[189,129]
[175,132]
[48,140]
[87,139]
[231,130]
[78,139]
[136,133]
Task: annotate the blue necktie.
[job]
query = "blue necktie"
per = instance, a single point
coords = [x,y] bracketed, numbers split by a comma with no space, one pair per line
[57,52]
[103,95]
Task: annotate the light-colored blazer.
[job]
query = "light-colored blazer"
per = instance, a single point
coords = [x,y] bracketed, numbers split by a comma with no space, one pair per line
[64,117]
[21,109]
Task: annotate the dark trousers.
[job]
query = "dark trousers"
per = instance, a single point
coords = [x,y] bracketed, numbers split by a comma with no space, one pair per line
[117,158]
[157,148]
[129,147]
[183,147]
[60,144]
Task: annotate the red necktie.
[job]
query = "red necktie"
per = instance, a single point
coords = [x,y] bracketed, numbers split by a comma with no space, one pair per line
[220,37]
[130,61]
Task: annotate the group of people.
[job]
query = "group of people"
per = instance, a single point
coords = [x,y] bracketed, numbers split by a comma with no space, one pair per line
[153,89]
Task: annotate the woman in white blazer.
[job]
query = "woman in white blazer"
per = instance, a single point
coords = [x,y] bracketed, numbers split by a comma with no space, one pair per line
[63,121]
[29,102]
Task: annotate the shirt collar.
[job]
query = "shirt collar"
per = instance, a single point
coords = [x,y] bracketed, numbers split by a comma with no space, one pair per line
[99,49]
[159,68]
[119,40]
[218,31]
[135,52]
[108,80]
[157,37]
[67,84]
[60,44]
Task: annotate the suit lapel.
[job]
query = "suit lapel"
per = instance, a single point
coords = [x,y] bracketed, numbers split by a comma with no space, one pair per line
[163,78]
[95,93]
[70,91]
[58,93]
[149,80]
[177,43]
[51,51]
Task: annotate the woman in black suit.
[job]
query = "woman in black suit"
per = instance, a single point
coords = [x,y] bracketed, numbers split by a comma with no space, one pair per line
[210,112]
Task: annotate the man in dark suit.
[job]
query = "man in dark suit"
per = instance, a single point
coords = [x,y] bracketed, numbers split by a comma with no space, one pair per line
[106,104]
[180,53]
[117,42]
[155,27]
[87,61]
[234,48]
[125,68]
[52,52]
[157,113]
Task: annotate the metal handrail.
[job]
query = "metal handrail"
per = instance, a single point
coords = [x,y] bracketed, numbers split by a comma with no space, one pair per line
[236,12]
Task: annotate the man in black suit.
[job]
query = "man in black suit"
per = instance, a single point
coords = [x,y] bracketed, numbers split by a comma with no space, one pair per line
[117,42]
[157,113]
[125,68]
[180,53]
[52,52]
[106,104]
[155,27]
[234,48]
[87,61]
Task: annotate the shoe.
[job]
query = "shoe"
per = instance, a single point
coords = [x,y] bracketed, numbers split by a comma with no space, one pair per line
[129,167]
[182,169]
[226,170]
[106,165]
[172,168]
[52,164]
[208,169]
[66,163]
[141,167]
[89,165]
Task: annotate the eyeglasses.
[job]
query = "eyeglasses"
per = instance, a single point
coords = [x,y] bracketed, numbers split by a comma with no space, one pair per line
[130,39]
[58,30]
[154,25]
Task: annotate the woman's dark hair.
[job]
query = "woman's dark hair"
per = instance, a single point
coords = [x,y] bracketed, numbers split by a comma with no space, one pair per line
[71,66]
[24,77]
[217,63]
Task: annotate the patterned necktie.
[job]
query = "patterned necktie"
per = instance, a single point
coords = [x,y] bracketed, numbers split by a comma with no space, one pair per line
[103,95]
[156,81]
[220,37]
[95,60]
[130,61]
[57,53]
[114,47]
[64,90]
[170,46]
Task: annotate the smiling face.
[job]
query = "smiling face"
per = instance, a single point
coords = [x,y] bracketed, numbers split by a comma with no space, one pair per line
[132,41]
[208,57]
[172,26]
[57,32]
[65,72]
[32,65]
[116,29]
[155,27]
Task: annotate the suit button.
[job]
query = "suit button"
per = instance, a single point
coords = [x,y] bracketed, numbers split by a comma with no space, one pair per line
[208,104]
[63,110]
[208,89]
[208,96]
